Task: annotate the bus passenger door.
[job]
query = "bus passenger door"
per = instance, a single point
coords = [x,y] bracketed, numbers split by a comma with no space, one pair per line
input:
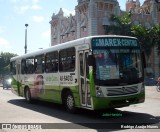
[85,95]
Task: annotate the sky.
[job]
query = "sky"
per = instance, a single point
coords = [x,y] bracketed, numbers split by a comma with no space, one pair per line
[14,14]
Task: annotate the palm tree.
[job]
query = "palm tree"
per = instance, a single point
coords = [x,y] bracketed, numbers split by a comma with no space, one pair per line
[156,36]
[121,25]
[144,36]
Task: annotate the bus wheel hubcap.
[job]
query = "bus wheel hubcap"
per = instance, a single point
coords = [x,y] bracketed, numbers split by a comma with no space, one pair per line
[70,102]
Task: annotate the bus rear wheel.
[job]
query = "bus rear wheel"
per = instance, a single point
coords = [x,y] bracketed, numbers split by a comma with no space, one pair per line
[28,95]
[69,102]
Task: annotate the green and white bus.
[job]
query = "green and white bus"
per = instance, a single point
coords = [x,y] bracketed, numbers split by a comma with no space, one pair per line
[96,72]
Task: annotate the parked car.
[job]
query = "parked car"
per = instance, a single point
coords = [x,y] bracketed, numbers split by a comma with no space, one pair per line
[150,81]
[6,82]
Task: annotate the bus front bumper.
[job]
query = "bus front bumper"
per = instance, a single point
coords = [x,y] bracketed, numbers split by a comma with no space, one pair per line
[117,102]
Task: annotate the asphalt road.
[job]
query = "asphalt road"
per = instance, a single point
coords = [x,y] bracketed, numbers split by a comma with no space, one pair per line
[14,109]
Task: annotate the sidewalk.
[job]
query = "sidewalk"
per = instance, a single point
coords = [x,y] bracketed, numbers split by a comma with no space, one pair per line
[151,92]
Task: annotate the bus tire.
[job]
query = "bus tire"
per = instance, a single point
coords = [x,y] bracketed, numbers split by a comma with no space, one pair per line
[28,95]
[69,102]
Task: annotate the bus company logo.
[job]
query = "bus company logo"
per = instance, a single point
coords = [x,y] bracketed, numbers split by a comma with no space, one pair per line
[124,89]
[6,126]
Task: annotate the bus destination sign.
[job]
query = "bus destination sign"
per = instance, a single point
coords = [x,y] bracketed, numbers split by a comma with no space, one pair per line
[114,42]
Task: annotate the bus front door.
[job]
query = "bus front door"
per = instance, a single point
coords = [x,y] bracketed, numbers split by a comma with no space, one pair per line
[85,95]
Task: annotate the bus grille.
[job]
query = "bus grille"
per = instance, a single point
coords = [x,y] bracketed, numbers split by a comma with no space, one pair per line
[122,91]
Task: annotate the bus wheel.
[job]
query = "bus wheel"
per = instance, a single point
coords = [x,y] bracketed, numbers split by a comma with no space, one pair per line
[28,95]
[69,102]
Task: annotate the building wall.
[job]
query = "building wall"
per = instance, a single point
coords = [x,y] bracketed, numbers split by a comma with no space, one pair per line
[130,4]
[91,16]
[88,20]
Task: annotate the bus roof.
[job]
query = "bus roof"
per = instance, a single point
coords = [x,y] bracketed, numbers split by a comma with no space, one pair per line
[66,45]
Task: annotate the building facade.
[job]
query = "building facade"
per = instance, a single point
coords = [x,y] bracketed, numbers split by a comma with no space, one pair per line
[92,17]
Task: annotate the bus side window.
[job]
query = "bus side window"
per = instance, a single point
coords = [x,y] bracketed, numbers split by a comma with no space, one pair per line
[39,60]
[62,60]
[31,68]
[52,62]
[55,62]
[47,63]
[67,59]
[23,66]
[29,65]
[71,56]
[13,68]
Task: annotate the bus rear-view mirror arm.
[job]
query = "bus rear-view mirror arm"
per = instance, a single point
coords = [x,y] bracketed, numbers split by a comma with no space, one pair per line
[90,60]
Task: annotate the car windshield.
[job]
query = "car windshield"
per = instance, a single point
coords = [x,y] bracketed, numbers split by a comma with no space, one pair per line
[119,64]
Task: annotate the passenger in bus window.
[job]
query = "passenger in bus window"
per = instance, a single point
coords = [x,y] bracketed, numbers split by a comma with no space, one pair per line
[39,69]
[49,67]
[60,66]
[72,65]
[31,68]
[53,67]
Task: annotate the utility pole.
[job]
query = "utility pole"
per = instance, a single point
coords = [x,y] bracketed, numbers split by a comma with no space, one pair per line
[25,47]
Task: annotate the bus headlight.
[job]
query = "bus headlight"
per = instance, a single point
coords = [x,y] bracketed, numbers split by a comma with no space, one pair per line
[9,81]
[99,92]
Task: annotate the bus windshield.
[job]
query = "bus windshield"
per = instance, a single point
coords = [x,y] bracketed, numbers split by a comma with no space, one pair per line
[124,65]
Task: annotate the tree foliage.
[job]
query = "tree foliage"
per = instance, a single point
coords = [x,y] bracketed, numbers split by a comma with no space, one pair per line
[5,62]
[121,25]
[156,36]
[144,36]
[148,38]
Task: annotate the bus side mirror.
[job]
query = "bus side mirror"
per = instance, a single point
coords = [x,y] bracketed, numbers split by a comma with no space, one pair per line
[90,60]
[143,59]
